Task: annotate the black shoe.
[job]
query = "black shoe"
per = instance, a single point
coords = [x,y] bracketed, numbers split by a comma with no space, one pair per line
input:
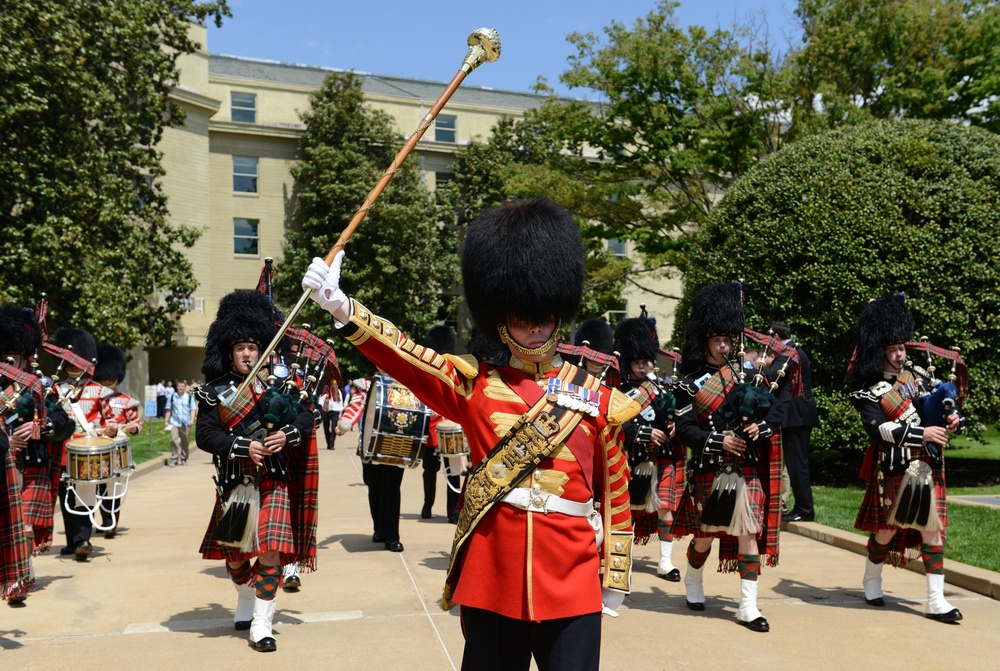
[796,516]
[453,519]
[67,551]
[110,533]
[759,624]
[83,550]
[673,575]
[425,512]
[377,539]
[878,602]
[292,584]
[695,605]
[393,546]
[241,625]
[266,644]
[951,617]
[16,601]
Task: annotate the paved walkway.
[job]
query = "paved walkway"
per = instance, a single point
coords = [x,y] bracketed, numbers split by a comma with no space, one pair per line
[146,600]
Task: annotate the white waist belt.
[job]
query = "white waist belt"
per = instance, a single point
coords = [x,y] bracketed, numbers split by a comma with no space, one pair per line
[540,502]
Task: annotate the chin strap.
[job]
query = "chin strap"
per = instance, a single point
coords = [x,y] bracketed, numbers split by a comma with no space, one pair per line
[541,349]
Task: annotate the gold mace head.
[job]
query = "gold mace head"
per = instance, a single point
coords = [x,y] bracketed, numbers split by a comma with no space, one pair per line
[484,45]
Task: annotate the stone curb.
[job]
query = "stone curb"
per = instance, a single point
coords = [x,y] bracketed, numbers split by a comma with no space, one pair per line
[956,573]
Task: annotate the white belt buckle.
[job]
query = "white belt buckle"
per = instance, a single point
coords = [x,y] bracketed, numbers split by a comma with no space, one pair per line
[540,502]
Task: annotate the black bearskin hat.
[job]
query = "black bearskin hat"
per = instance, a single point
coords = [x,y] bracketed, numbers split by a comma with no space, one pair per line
[490,351]
[635,338]
[441,339]
[80,341]
[111,363]
[884,321]
[598,334]
[522,259]
[19,332]
[715,310]
[244,316]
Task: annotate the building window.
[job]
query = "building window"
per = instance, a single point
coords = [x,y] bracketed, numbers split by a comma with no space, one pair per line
[244,107]
[444,128]
[616,316]
[246,235]
[442,178]
[245,174]
[616,247]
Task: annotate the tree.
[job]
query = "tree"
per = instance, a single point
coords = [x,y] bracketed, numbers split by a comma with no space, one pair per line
[84,99]
[523,159]
[681,115]
[837,219]
[400,261]
[929,59]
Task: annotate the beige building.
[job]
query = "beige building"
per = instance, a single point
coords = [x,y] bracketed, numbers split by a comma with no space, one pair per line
[228,174]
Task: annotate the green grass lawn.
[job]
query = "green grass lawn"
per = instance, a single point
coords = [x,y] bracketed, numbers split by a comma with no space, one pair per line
[962,447]
[973,531]
[141,450]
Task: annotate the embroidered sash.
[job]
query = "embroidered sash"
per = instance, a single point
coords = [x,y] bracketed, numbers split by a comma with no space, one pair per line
[533,437]
[234,409]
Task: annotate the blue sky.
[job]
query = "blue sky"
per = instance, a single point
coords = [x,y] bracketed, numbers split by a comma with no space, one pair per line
[428,40]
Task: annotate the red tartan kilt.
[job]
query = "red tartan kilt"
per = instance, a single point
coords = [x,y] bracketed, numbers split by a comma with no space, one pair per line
[689,519]
[873,517]
[672,483]
[38,497]
[274,527]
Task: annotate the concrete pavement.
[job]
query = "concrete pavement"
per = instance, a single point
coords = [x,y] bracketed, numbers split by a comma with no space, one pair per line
[146,600]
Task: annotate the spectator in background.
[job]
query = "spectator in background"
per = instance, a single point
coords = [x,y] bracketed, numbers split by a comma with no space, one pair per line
[331,403]
[179,416]
[161,398]
[798,419]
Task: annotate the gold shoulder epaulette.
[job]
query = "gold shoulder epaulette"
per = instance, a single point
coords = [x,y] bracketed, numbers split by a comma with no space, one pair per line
[621,408]
[467,365]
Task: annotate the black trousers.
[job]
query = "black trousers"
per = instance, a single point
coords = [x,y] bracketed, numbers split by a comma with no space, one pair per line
[431,465]
[497,643]
[383,483]
[78,527]
[330,418]
[795,440]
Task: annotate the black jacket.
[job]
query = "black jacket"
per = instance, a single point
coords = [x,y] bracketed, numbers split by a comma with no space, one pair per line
[801,411]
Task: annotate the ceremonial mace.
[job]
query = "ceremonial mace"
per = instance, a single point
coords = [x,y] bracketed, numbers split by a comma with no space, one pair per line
[484,45]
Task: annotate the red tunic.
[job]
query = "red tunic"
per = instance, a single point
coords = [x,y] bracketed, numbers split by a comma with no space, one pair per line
[520,564]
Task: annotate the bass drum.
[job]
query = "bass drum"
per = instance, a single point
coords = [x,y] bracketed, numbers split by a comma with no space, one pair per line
[394,427]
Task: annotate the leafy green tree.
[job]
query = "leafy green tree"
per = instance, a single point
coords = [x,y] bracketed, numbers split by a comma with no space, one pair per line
[523,159]
[930,59]
[84,99]
[837,219]
[395,265]
[681,114]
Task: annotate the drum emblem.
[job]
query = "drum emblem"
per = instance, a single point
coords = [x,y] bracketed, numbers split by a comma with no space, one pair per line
[402,420]
[401,397]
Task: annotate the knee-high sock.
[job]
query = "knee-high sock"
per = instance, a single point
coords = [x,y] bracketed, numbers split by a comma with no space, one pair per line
[242,574]
[697,559]
[664,530]
[877,551]
[933,556]
[268,581]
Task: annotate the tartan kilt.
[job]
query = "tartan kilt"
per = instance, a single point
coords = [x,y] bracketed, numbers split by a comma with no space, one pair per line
[274,527]
[872,516]
[15,550]
[701,488]
[672,483]
[39,502]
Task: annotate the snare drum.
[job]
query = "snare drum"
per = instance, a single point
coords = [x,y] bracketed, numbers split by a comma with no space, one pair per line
[451,439]
[122,460]
[395,424]
[91,459]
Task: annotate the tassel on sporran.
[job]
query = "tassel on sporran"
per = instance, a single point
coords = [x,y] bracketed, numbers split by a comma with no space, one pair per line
[647,470]
[238,525]
[915,506]
[717,511]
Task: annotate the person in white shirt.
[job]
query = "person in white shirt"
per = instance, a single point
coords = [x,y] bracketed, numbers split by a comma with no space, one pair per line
[331,403]
[179,416]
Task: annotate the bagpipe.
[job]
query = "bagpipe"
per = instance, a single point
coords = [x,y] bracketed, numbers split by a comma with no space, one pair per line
[915,505]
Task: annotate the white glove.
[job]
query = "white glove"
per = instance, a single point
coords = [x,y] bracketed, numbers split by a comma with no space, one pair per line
[612,601]
[324,282]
